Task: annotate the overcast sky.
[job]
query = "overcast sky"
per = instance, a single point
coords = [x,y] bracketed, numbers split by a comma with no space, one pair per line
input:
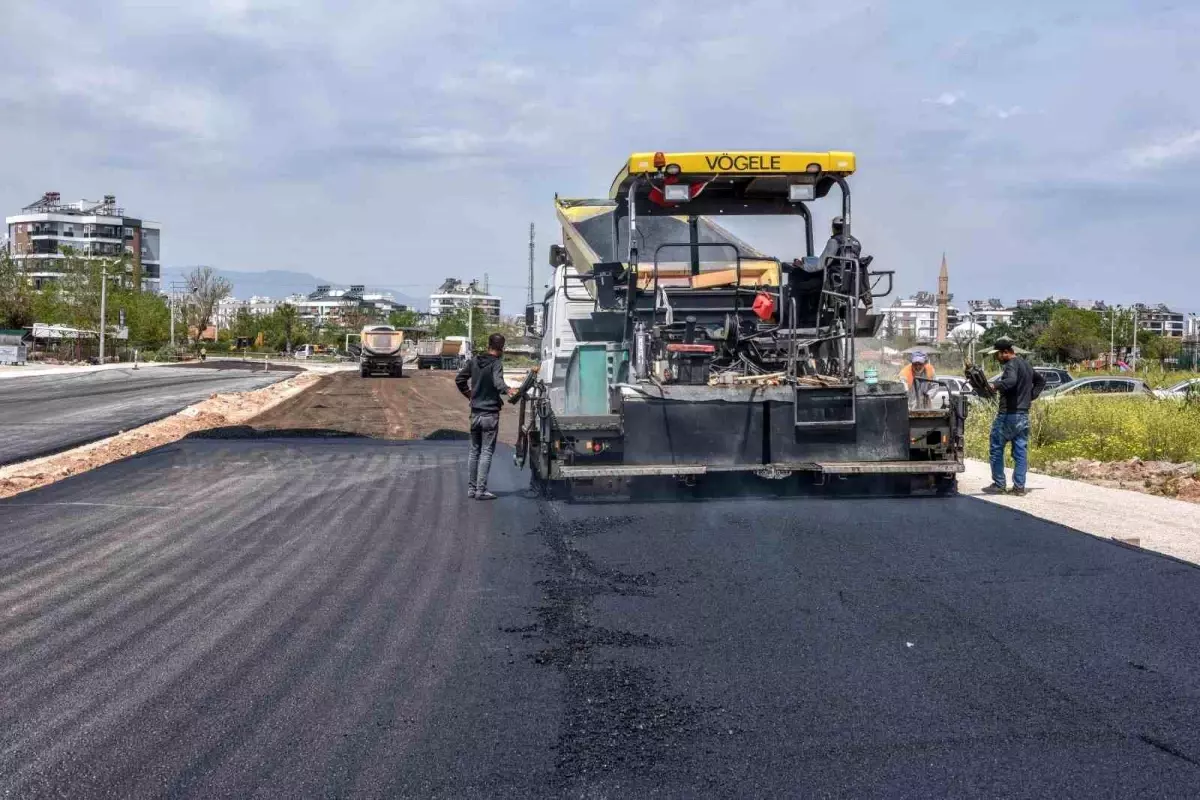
[1047,147]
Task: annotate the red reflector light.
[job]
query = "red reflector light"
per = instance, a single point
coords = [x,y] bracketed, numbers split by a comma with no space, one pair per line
[597,447]
[660,160]
[691,348]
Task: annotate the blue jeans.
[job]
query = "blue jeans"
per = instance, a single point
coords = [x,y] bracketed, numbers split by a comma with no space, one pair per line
[1013,428]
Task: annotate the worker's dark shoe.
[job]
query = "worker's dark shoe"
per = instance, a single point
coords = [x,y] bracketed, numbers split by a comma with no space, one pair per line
[1019,491]
[485,495]
[471,494]
[993,488]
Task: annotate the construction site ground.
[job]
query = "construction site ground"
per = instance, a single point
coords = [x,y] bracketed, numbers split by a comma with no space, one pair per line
[421,405]
[270,610]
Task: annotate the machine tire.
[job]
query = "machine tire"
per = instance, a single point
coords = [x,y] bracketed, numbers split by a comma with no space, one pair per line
[364,372]
[947,486]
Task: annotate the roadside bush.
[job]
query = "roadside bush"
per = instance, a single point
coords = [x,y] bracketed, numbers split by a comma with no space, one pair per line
[1099,428]
[166,353]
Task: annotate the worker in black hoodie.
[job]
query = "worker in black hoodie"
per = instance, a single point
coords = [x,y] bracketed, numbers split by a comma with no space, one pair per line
[481,380]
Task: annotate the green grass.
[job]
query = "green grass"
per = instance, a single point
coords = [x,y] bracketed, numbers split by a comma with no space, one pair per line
[1099,428]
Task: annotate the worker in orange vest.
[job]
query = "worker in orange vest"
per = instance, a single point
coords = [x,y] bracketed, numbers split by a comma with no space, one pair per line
[919,368]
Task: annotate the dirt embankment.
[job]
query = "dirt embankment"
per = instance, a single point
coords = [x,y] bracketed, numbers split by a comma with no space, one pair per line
[421,405]
[1181,481]
[218,411]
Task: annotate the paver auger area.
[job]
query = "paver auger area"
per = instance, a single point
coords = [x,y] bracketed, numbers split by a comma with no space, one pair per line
[298,617]
[43,414]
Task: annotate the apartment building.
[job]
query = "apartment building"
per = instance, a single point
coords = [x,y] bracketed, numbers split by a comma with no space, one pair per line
[986,313]
[228,309]
[40,232]
[453,294]
[917,317]
[329,305]
[1161,320]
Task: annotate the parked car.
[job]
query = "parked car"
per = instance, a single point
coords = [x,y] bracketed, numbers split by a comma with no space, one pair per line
[1054,376]
[955,384]
[1181,391]
[1101,385]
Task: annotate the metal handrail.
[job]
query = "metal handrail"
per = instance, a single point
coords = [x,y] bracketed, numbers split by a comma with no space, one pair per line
[737,267]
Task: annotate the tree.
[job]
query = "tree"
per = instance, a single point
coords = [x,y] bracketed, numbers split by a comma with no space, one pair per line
[1000,330]
[451,323]
[207,289]
[16,295]
[147,316]
[1028,324]
[1073,334]
[286,315]
[404,319]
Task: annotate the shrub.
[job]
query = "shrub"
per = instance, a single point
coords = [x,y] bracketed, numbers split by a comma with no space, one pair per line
[1099,428]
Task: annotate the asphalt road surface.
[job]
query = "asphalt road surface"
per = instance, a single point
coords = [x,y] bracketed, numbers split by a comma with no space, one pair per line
[331,617]
[40,415]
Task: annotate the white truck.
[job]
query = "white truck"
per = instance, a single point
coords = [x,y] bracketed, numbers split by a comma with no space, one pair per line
[381,346]
[448,353]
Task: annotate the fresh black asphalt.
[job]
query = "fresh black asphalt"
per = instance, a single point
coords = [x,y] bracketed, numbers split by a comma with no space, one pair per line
[43,414]
[301,618]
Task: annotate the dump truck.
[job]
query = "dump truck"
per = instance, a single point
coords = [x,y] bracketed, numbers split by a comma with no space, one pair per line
[672,349]
[380,351]
[448,353]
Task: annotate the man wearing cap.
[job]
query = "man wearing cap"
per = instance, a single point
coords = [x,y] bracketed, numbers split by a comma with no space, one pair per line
[1017,387]
[918,368]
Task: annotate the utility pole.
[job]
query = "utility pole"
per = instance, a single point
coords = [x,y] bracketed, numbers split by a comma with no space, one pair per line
[471,316]
[103,294]
[530,299]
[1133,355]
[1112,338]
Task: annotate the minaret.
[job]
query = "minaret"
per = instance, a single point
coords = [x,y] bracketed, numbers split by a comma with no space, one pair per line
[943,300]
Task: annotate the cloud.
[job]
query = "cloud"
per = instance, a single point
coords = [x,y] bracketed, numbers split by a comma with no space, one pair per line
[404,129]
[946,99]
[1161,153]
[1003,113]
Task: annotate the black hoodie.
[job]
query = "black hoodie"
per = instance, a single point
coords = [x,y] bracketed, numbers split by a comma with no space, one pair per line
[481,380]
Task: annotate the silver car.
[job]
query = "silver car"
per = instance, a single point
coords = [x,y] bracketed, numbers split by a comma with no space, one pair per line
[1101,386]
[1183,390]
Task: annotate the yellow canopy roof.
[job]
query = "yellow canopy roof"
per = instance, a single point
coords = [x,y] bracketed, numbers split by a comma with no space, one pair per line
[733,163]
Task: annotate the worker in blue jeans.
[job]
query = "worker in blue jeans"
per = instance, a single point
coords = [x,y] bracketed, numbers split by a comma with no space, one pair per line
[1017,387]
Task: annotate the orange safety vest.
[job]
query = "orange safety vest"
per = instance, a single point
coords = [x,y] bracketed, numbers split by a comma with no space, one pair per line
[906,374]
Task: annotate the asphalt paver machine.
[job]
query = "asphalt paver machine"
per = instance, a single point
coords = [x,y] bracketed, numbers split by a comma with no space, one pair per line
[672,349]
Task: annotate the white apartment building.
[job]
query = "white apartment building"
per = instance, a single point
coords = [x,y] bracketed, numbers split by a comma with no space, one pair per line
[454,294]
[227,310]
[986,313]
[916,319]
[328,304]
[37,236]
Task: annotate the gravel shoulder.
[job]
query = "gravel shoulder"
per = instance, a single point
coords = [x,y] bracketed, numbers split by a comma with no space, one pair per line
[1164,525]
